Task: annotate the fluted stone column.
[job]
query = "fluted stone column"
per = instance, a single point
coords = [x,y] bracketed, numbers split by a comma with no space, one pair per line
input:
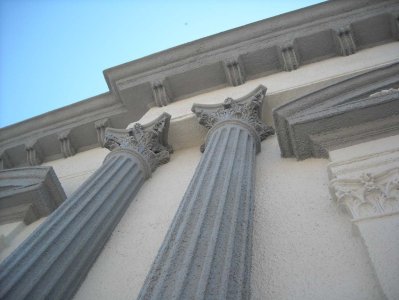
[53,261]
[207,251]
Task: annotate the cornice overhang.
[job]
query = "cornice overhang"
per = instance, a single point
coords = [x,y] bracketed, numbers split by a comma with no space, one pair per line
[281,43]
[356,110]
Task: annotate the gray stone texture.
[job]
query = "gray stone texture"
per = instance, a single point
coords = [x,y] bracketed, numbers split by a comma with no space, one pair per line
[53,261]
[67,148]
[200,66]
[340,115]
[161,97]
[33,153]
[207,251]
[29,194]
[100,126]
[346,41]
[289,58]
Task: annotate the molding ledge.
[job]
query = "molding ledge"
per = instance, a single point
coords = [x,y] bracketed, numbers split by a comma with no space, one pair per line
[29,194]
[281,43]
[285,42]
[340,115]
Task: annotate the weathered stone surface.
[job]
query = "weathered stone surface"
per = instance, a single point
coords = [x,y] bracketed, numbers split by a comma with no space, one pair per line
[340,115]
[33,153]
[149,141]
[289,58]
[245,111]
[53,261]
[5,161]
[234,72]
[100,126]
[207,251]
[199,66]
[161,97]
[346,41]
[67,148]
[28,194]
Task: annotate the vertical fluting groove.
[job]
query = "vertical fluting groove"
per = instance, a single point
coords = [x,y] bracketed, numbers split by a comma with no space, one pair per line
[44,258]
[246,247]
[40,234]
[242,250]
[234,219]
[98,243]
[92,244]
[87,226]
[204,254]
[203,280]
[189,254]
[160,262]
[51,263]
[183,226]
[29,248]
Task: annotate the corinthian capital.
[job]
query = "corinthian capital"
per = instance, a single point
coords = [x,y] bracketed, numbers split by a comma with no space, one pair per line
[370,195]
[150,141]
[246,110]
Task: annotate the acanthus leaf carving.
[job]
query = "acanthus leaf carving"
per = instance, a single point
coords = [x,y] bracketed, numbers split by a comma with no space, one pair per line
[370,195]
[149,141]
[247,111]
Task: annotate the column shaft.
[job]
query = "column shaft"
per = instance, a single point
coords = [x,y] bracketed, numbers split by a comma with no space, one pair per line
[54,259]
[207,251]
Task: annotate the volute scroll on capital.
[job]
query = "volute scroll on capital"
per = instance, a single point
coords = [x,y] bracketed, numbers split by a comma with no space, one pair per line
[149,141]
[246,111]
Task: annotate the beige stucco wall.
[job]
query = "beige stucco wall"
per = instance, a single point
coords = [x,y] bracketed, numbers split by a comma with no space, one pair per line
[303,245]
[74,170]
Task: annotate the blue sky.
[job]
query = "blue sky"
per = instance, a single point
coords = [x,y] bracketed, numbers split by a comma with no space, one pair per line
[52,53]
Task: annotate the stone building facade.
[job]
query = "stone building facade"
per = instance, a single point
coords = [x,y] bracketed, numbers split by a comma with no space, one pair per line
[261,162]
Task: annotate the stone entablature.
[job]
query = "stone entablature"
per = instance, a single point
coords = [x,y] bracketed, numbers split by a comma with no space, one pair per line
[230,58]
[265,47]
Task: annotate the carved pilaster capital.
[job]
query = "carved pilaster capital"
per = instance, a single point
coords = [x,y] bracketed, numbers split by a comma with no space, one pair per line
[247,111]
[369,195]
[148,141]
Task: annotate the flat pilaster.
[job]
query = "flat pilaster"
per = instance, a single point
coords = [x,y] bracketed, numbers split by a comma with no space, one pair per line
[367,188]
